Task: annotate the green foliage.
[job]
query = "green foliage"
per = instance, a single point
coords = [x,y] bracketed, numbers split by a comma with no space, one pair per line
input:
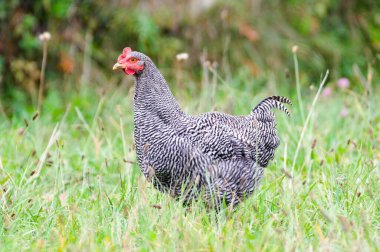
[88,194]
[255,35]
[59,9]
[78,187]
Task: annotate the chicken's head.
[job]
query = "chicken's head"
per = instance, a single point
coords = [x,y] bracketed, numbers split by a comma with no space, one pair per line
[130,62]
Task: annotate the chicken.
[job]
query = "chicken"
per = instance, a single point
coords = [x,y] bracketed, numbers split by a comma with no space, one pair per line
[213,156]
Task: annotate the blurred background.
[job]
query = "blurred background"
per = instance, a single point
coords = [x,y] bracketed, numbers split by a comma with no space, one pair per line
[69,180]
[244,40]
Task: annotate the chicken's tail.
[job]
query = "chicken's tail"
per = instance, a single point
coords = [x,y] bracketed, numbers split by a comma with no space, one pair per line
[272,102]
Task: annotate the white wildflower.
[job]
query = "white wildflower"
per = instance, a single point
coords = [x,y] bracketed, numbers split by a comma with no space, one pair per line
[182,56]
[45,36]
[295,48]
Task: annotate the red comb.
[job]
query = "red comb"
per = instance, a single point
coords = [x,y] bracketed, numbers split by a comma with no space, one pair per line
[124,55]
[127,51]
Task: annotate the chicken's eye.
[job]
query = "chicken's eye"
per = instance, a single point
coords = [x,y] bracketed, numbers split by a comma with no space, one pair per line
[133,60]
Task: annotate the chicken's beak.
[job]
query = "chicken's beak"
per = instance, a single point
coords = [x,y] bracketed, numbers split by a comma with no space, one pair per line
[118,66]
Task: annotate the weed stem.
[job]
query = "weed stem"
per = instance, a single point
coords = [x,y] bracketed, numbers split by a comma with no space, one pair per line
[300,103]
[42,76]
[308,118]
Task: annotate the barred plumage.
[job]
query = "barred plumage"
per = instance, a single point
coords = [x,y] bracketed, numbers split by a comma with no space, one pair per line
[273,102]
[216,155]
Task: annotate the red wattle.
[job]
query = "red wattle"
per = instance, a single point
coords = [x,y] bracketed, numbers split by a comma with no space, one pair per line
[129,71]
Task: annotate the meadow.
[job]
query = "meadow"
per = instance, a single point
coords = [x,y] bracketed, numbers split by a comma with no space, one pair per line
[70,182]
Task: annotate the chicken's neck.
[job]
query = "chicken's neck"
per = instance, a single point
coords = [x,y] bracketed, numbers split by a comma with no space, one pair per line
[153,97]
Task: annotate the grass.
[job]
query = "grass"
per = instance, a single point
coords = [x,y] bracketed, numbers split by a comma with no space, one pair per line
[69,180]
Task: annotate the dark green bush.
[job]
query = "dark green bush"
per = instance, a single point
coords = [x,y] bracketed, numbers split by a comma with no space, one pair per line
[256,35]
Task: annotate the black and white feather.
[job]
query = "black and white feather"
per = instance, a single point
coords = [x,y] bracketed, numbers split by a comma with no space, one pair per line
[216,155]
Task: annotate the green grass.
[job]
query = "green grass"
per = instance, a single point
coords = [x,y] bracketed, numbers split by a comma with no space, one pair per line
[69,182]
